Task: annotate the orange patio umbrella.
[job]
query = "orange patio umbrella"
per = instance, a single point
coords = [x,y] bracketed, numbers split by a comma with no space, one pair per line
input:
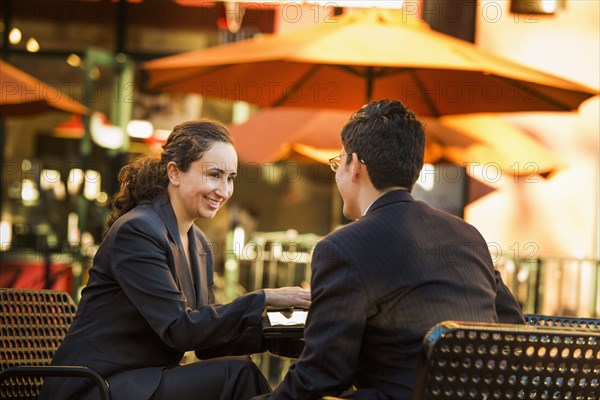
[469,140]
[22,94]
[365,55]
[497,141]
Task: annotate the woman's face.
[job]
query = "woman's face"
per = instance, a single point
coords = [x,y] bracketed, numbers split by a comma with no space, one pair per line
[206,185]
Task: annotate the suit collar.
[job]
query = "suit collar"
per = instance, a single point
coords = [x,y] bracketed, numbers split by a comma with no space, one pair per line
[187,275]
[198,273]
[391,197]
[162,205]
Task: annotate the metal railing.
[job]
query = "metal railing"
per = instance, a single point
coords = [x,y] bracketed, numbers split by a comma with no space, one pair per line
[553,285]
[549,286]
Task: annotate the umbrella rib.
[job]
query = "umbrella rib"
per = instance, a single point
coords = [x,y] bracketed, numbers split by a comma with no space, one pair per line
[192,75]
[299,83]
[531,90]
[434,110]
[369,70]
[370,74]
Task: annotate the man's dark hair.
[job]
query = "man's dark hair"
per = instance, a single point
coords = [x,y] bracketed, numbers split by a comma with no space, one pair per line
[390,140]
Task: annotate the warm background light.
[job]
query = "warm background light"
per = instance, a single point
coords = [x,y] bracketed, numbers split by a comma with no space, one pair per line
[14,37]
[32,45]
[91,184]
[74,60]
[75,181]
[560,216]
[140,129]
[5,234]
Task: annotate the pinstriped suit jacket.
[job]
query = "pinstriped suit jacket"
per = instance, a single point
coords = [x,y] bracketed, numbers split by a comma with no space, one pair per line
[378,284]
[143,307]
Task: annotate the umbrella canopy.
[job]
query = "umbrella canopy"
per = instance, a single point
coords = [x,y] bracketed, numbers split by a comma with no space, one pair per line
[22,94]
[368,54]
[496,141]
[282,133]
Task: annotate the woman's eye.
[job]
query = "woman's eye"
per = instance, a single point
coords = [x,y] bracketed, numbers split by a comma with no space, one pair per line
[214,175]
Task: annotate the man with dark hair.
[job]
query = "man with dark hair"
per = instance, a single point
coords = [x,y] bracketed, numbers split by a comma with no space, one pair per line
[379,283]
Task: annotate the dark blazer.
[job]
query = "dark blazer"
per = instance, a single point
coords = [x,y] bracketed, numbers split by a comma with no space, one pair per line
[143,307]
[378,284]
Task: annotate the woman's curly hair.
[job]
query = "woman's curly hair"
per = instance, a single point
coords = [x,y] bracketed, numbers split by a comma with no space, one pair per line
[145,178]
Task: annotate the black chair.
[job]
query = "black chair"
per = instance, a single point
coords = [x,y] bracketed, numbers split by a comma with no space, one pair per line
[33,323]
[563,322]
[469,360]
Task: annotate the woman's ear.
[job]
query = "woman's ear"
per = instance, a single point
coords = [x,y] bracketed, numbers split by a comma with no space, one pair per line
[173,172]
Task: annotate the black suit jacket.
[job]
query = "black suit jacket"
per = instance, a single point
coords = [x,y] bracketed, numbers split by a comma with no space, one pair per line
[378,284]
[144,306]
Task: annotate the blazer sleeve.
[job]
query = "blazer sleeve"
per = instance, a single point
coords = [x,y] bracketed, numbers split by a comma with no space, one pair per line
[334,329]
[140,264]
[249,342]
[507,307]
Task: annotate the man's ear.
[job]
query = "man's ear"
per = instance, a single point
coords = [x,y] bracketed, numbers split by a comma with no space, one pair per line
[356,168]
[173,172]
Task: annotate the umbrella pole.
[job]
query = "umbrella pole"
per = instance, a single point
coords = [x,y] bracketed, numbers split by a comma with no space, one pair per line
[369,83]
[2,140]
[7,21]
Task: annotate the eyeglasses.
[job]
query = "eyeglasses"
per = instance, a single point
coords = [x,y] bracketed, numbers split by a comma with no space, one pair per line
[334,162]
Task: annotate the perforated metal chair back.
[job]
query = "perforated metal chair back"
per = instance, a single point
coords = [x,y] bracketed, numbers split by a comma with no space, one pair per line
[466,360]
[33,324]
[563,322]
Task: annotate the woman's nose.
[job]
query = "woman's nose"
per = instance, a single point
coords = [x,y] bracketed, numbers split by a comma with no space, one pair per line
[223,189]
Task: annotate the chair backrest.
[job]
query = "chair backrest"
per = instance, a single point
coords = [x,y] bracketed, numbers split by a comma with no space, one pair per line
[563,322]
[469,360]
[33,324]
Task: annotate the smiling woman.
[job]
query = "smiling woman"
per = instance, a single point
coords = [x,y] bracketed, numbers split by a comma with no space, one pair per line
[190,148]
[150,295]
[201,190]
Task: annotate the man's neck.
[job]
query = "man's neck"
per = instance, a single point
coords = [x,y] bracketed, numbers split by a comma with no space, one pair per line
[377,194]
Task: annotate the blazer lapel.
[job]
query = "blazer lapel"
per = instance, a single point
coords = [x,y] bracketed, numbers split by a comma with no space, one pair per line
[186,284]
[198,270]
[181,270]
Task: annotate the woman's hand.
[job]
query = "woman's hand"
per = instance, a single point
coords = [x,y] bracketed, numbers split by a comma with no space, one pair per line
[287,297]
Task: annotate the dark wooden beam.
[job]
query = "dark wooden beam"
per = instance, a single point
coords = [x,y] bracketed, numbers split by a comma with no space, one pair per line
[452,17]
[165,14]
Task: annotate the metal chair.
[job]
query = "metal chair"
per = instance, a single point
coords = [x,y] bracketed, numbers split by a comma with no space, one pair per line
[470,360]
[33,324]
[564,322]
